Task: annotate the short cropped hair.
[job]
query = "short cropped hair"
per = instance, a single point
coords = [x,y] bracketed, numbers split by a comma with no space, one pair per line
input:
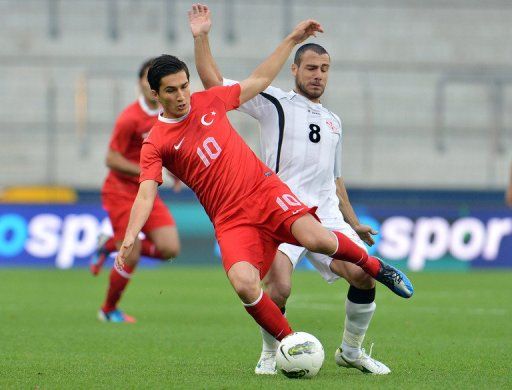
[144,67]
[308,46]
[163,66]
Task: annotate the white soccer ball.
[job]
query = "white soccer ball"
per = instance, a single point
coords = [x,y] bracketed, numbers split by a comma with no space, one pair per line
[300,355]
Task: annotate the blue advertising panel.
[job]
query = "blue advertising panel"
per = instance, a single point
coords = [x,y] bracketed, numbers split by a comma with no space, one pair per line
[417,238]
[49,235]
[442,237]
[65,236]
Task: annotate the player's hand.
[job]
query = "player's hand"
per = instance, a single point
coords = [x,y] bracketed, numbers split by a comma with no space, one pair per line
[304,30]
[365,233]
[124,252]
[199,20]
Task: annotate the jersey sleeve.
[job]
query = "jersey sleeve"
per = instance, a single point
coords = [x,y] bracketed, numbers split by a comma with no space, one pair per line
[229,94]
[150,163]
[123,131]
[338,155]
[259,106]
[337,160]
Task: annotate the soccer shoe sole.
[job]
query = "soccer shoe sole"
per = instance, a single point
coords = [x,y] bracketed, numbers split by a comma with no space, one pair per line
[102,317]
[395,280]
[342,361]
[260,371]
[264,369]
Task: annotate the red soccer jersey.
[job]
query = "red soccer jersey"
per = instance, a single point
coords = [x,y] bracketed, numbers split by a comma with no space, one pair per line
[205,152]
[131,127]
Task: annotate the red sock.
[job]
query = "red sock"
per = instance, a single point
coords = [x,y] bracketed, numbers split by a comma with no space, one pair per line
[110,245]
[353,253]
[149,249]
[118,282]
[266,313]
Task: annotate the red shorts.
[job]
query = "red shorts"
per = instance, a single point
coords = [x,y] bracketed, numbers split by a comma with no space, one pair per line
[118,208]
[260,224]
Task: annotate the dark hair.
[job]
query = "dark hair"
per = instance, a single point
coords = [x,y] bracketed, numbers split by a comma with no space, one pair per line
[308,46]
[163,66]
[144,67]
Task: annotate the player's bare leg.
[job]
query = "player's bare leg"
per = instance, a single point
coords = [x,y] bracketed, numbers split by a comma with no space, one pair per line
[245,279]
[117,283]
[316,238]
[278,281]
[359,309]
[277,284]
[164,243]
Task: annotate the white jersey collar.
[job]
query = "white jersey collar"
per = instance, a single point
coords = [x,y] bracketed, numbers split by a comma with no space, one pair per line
[161,118]
[294,95]
[148,110]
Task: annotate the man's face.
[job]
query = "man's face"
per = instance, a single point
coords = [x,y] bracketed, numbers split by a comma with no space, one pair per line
[311,75]
[145,89]
[174,94]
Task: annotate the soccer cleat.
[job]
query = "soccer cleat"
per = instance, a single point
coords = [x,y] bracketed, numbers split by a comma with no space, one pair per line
[101,254]
[364,363]
[267,364]
[115,316]
[395,280]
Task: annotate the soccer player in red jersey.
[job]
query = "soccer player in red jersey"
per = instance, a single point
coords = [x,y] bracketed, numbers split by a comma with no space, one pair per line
[252,210]
[118,193]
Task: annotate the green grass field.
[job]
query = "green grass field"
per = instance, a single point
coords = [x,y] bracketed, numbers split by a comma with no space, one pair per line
[192,332]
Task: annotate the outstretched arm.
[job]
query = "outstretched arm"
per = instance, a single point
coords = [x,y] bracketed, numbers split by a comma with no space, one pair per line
[141,209]
[200,24]
[363,231]
[263,75]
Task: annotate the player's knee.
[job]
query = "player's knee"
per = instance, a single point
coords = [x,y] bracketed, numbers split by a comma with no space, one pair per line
[279,292]
[170,251]
[246,286]
[317,243]
[247,293]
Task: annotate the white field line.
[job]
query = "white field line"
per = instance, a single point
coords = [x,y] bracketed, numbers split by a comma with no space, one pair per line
[302,301]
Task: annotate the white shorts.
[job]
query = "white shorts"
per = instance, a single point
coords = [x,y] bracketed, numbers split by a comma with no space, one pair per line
[320,262]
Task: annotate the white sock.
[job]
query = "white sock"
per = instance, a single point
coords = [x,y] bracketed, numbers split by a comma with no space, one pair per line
[357,320]
[270,344]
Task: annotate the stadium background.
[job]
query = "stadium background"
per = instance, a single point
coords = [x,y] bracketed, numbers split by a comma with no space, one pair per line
[424,91]
[423,88]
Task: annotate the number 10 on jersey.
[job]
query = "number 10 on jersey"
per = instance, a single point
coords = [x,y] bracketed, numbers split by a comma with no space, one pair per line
[287,200]
[212,149]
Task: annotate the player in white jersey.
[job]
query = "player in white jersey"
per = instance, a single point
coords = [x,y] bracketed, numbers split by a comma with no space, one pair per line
[301,140]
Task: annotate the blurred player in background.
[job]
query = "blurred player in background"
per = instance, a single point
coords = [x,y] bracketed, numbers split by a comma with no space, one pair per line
[301,140]
[252,210]
[118,193]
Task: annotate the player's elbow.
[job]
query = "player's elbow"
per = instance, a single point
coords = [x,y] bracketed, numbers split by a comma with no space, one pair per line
[110,160]
[260,82]
[252,87]
[210,82]
[147,198]
[109,163]
[147,191]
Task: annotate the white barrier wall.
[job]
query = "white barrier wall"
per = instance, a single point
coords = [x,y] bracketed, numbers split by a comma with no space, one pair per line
[391,59]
